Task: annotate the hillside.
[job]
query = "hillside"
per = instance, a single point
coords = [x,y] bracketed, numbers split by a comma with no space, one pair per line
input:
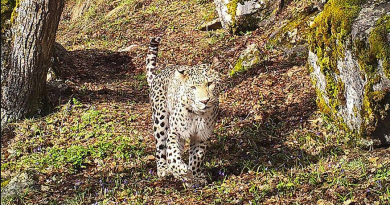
[270,145]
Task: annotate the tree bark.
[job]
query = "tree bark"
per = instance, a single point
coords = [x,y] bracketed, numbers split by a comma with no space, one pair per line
[26,58]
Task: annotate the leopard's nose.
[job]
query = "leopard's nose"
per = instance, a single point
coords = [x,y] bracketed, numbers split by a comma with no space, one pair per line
[205,101]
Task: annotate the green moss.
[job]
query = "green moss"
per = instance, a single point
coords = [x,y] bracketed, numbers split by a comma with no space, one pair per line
[7,7]
[327,39]
[377,96]
[8,11]
[331,28]
[297,23]
[379,44]
[369,57]
[14,13]
[250,21]
[322,105]
[232,9]
[242,63]
[237,68]
[4,183]
[328,110]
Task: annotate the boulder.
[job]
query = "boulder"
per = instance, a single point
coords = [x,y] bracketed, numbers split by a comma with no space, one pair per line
[248,59]
[242,15]
[17,185]
[210,25]
[290,34]
[319,4]
[349,53]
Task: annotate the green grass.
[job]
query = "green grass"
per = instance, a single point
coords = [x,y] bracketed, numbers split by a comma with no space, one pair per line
[75,136]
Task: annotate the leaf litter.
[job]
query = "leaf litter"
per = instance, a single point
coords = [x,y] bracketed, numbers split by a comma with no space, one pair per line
[270,145]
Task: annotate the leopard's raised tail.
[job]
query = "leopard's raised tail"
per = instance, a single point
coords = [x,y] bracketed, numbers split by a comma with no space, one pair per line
[151,59]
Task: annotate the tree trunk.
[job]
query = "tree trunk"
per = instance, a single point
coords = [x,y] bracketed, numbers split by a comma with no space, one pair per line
[25,58]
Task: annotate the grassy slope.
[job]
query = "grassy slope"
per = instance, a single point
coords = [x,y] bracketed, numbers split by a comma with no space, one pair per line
[270,145]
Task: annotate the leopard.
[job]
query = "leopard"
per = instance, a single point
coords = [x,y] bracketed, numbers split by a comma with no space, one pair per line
[185,106]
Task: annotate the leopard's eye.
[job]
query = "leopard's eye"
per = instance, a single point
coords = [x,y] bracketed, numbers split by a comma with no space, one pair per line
[193,87]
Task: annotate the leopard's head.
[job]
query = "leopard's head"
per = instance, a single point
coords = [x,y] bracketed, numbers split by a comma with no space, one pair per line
[201,85]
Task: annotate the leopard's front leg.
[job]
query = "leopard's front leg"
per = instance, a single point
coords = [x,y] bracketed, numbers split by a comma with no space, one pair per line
[196,158]
[174,157]
[160,126]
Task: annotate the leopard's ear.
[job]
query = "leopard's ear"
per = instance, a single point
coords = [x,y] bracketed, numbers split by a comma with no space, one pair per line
[181,70]
[181,73]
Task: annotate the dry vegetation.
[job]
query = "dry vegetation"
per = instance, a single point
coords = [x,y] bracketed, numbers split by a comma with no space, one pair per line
[270,146]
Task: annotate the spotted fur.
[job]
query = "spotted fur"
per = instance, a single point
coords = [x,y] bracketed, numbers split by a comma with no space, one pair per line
[184,102]
[151,59]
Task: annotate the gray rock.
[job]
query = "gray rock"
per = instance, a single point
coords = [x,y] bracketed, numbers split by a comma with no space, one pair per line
[244,15]
[17,185]
[319,4]
[357,107]
[351,76]
[211,25]
[317,75]
[368,16]
[248,59]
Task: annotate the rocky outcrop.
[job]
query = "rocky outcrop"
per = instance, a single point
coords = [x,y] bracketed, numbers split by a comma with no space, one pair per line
[349,53]
[17,185]
[243,15]
[248,59]
[211,25]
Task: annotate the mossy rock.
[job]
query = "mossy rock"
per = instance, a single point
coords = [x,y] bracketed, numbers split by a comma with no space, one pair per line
[18,185]
[348,60]
[248,59]
[7,11]
[243,15]
[292,36]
